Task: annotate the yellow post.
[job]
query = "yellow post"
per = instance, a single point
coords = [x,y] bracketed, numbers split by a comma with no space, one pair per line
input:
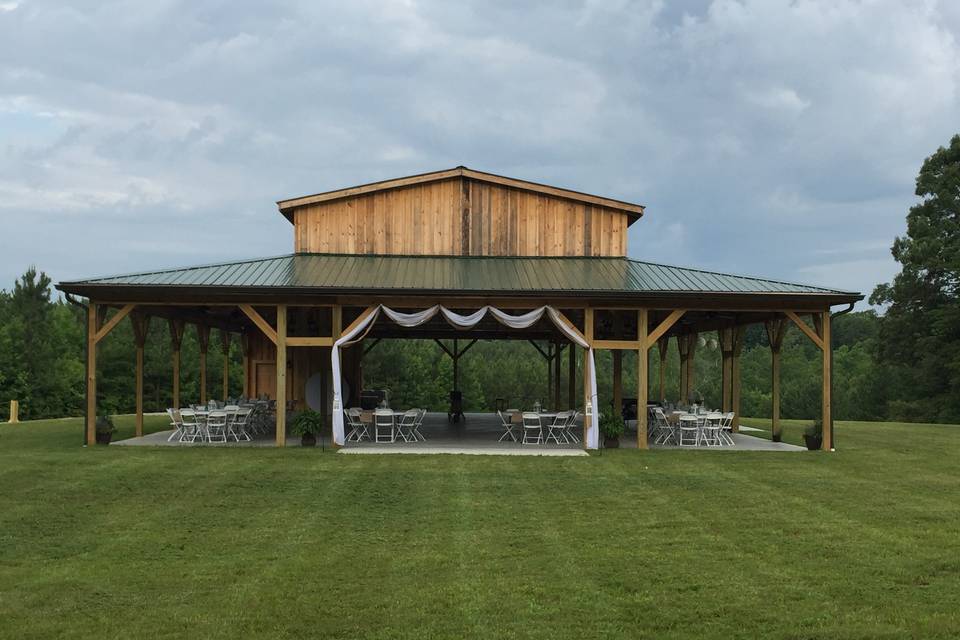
[281,375]
[14,412]
[643,367]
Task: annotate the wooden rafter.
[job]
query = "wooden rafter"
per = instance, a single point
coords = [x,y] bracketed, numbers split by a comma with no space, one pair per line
[588,313]
[444,347]
[803,326]
[258,320]
[110,324]
[665,325]
[360,319]
[546,354]
[367,349]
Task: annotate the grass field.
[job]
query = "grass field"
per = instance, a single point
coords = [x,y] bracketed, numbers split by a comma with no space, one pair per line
[227,543]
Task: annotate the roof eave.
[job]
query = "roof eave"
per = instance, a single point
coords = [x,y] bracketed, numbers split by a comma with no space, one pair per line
[109,292]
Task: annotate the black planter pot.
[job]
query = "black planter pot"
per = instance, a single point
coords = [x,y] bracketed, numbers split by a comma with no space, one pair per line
[813,442]
[308,440]
[103,437]
[611,443]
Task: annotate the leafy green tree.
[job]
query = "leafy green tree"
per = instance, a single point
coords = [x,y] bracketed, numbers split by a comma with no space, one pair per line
[919,336]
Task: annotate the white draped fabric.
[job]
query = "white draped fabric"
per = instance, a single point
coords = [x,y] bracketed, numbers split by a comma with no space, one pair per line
[408,320]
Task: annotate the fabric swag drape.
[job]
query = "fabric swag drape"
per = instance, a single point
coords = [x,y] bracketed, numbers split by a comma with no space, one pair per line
[468,321]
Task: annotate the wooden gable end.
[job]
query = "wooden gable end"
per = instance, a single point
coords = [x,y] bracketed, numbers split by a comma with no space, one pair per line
[460,215]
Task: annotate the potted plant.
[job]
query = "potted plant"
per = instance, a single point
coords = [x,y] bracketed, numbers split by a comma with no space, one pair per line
[813,435]
[104,429]
[612,427]
[307,424]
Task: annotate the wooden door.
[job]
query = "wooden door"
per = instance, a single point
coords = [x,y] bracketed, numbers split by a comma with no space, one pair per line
[266,379]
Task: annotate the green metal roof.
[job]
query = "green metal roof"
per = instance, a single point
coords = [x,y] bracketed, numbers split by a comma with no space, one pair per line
[513,275]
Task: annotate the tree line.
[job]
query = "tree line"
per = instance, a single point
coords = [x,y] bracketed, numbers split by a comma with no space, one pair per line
[902,364]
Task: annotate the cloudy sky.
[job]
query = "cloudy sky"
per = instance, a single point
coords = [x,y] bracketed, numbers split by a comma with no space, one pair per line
[765,137]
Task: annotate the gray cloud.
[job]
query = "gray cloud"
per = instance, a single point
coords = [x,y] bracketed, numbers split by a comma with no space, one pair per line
[774,138]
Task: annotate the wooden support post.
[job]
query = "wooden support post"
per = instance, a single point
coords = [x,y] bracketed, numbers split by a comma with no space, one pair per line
[557,352]
[203,339]
[663,344]
[683,346]
[776,329]
[587,400]
[141,326]
[176,339]
[14,412]
[281,401]
[93,324]
[643,366]
[572,376]
[826,412]
[225,350]
[725,337]
[738,334]
[548,358]
[691,364]
[245,349]
[617,380]
[456,365]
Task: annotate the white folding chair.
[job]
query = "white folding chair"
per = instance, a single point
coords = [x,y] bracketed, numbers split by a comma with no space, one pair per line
[726,426]
[231,411]
[421,416]
[532,430]
[176,422]
[710,430]
[557,428]
[358,430]
[383,419]
[572,431]
[406,425]
[216,427]
[689,431]
[506,421]
[663,431]
[238,426]
[191,429]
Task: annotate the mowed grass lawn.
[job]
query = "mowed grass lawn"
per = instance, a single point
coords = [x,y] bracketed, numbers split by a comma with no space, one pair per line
[112,542]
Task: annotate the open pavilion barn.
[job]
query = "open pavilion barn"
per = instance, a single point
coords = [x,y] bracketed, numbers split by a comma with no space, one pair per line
[520,260]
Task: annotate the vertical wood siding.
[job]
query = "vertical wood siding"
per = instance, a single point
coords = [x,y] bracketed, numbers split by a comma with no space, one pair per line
[460,216]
